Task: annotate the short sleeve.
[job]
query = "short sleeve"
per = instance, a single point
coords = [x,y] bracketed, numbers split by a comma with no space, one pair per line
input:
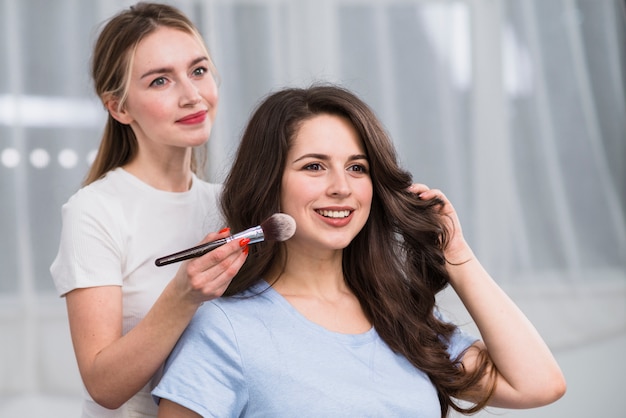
[90,249]
[460,339]
[204,371]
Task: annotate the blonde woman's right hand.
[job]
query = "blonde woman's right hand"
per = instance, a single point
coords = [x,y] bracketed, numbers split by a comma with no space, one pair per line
[207,277]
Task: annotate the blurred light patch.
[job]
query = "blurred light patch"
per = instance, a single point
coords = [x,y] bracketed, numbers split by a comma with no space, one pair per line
[10,157]
[39,158]
[447,26]
[68,158]
[42,111]
[518,69]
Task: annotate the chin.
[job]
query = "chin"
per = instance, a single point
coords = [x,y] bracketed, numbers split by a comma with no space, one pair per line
[339,246]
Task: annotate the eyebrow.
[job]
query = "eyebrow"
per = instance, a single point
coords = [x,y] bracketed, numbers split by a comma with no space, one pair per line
[163,70]
[326,157]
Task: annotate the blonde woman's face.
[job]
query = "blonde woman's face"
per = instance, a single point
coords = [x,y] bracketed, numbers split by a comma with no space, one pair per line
[172,95]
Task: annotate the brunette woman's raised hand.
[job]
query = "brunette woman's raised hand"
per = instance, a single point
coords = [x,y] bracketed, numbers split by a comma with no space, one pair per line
[527,375]
[457,251]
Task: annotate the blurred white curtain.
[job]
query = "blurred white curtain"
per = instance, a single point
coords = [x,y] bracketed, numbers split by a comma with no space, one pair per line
[516,109]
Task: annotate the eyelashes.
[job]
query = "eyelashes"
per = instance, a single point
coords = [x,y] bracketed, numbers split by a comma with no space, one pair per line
[356,168]
[198,72]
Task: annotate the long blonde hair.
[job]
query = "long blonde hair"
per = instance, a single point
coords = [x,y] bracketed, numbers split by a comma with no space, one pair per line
[110,70]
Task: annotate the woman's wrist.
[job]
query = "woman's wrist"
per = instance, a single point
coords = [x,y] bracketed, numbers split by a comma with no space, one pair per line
[182,296]
[459,255]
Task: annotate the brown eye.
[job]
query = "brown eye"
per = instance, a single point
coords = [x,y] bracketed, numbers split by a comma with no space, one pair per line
[313,167]
[359,168]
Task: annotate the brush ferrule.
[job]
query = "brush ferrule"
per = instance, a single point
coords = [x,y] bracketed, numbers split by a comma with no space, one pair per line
[253,234]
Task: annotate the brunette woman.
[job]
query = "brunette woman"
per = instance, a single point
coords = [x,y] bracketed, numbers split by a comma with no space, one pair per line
[341,319]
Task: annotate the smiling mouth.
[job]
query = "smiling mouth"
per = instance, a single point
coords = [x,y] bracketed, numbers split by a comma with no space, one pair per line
[195,118]
[334,213]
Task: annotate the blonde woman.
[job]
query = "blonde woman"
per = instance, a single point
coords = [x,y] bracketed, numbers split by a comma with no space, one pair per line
[142,199]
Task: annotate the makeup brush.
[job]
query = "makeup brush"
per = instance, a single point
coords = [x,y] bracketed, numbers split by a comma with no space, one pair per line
[278,227]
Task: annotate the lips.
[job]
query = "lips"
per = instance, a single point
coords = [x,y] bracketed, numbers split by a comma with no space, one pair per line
[195,118]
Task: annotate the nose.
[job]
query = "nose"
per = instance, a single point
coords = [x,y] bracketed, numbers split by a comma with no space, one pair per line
[190,94]
[339,184]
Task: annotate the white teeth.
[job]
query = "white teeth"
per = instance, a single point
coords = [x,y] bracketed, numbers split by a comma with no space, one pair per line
[334,213]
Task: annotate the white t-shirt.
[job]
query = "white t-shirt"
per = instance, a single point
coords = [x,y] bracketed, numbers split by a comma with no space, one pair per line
[113,230]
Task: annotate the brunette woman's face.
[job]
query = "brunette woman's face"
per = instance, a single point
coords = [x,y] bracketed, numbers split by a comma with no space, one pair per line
[326,185]
[172,96]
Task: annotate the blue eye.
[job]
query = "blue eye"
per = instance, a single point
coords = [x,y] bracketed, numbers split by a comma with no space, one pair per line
[158,81]
[200,71]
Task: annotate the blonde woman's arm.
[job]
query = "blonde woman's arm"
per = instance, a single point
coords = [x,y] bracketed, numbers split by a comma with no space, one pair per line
[115,367]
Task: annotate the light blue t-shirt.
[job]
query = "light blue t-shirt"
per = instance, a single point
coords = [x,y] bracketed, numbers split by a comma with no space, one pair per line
[257,356]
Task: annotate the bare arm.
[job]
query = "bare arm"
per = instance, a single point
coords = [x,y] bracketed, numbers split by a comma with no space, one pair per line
[527,374]
[115,367]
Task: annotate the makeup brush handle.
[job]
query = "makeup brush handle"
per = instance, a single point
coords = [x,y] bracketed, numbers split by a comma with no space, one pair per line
[254,234]
[193,252]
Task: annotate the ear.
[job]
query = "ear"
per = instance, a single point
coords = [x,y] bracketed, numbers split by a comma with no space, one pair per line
[118,113]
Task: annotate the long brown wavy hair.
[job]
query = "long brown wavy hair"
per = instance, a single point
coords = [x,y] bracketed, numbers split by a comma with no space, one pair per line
[395,265]
[110,70]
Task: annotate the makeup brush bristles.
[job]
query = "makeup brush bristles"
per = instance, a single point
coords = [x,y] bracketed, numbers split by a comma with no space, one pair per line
[278,227]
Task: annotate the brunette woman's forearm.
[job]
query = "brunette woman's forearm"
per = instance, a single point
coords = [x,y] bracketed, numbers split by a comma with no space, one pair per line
[522,358]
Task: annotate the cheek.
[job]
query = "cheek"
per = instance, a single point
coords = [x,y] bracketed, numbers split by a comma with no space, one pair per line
[210,92]
[147,109]
[297,194]
[366,193]
[158,109]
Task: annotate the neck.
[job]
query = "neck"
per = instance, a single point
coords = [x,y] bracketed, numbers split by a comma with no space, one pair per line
[170,176]
[310,275]
[316,288]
